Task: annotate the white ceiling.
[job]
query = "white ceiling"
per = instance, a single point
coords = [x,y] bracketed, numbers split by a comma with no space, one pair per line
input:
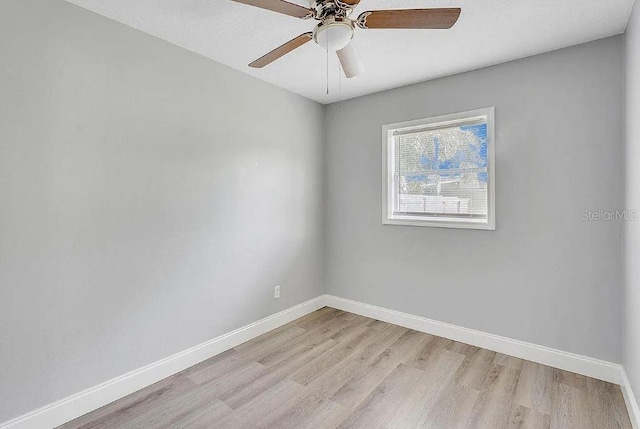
[488,32]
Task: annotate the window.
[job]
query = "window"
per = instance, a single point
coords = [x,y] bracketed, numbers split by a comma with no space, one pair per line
[439,171]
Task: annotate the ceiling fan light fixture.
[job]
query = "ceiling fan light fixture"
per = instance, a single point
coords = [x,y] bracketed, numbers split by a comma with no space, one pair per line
[350,60]
[333,34]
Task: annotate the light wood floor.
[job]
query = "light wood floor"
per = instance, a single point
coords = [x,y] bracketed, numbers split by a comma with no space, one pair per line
[333,369]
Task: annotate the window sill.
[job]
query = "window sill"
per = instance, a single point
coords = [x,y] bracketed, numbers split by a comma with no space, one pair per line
[441,223]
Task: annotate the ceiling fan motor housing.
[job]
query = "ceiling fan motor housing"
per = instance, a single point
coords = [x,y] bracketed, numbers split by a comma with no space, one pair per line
[324,9]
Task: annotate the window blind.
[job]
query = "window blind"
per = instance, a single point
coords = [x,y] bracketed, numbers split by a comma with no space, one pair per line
[442,170]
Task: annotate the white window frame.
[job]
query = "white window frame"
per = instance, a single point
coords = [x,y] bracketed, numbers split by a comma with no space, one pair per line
[441,221]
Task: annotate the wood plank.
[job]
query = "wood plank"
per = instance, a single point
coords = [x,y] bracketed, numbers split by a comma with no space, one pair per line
[202,418]
[535,388]
[606,405]
[328,315]
[508,361]
[177,412]
[346,333]
[453,410]
[437,378]
[349,382]
[240,393]
[422,358]
[357,354]
[311,412]
[234,381]
[475,368]
[373,412]
[462,348]
[494,404]
[408,344]
[265,408]
[323,363]
[526,418]
[329,417]
[568,408]
[566,377]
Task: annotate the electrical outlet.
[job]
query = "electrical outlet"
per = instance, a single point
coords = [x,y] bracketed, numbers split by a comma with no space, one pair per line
[276,292]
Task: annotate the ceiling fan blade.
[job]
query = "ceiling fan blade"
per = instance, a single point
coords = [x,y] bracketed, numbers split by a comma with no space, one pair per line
[281,50]
[410,18]
[350,60]
[280,6]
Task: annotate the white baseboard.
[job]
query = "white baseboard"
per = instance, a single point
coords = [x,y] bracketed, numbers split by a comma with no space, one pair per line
[630,400]
[590,367]
[93,398]
[595,368]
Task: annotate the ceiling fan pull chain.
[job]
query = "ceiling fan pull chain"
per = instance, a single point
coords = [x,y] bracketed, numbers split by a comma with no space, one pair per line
[339,81]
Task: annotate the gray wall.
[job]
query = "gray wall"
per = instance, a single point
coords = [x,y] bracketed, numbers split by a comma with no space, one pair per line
[544,276]
[632,203]
[150,199]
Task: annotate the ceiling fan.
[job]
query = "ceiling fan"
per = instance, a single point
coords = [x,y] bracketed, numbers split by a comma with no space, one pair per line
[336,28]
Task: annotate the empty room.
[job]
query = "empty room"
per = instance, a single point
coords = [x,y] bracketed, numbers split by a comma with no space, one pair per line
[319,214]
